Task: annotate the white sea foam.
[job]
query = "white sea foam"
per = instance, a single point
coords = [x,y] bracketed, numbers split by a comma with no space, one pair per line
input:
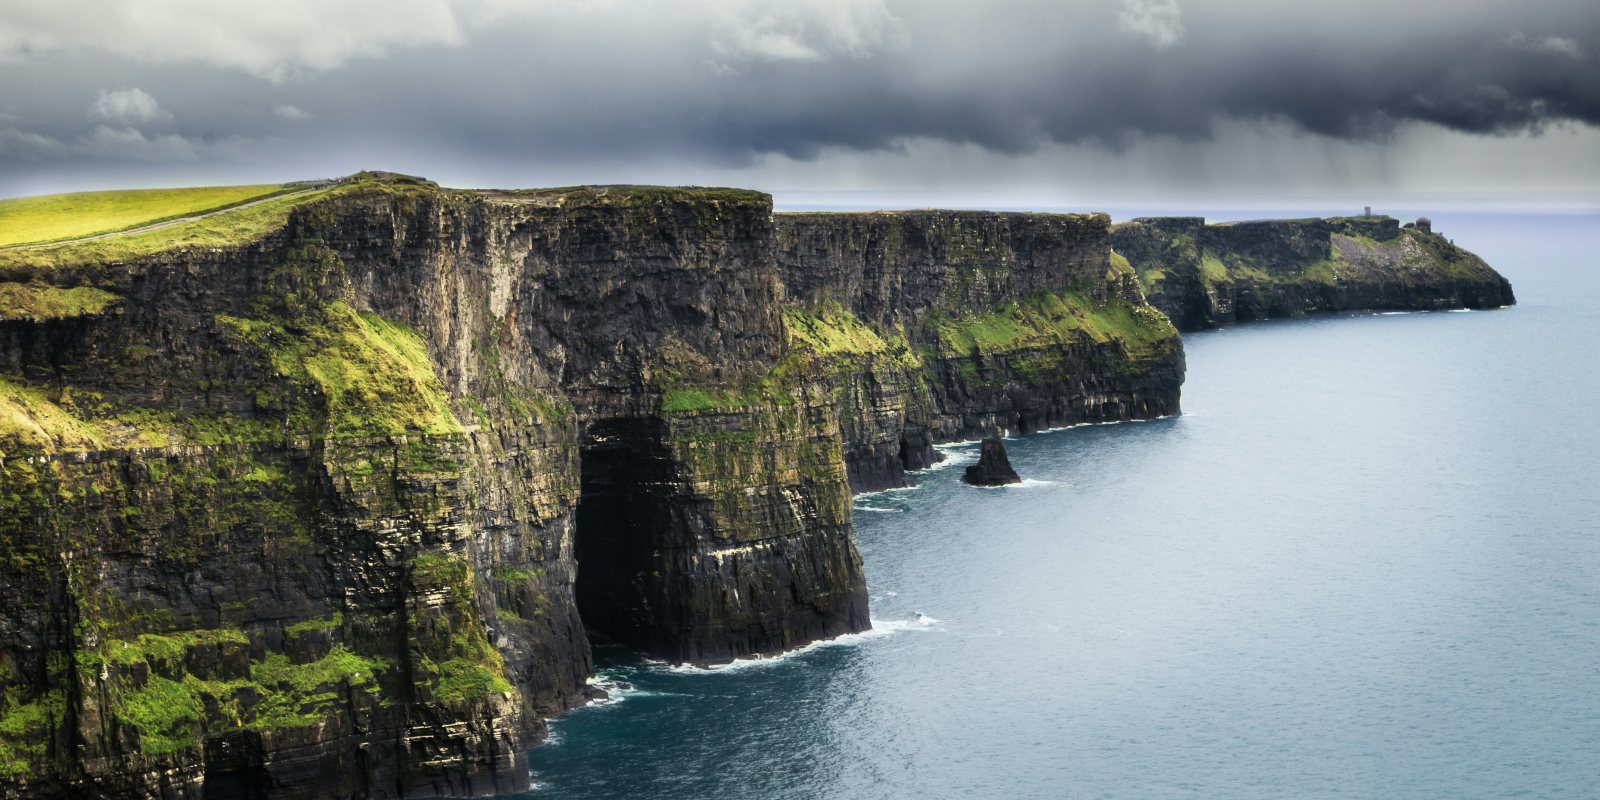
[1398,313]
[959,460]
[1112,422]
[915,622]
[880,629]
[1027,483]
[865,495]
[617,689]
[956,454]
[881,509]
[1460,310]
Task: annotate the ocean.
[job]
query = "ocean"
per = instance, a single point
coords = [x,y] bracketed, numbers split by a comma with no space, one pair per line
[1364,563]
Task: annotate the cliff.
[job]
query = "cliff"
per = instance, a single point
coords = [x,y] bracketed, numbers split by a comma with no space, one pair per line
[1204,275]
[327,496]
[956,323]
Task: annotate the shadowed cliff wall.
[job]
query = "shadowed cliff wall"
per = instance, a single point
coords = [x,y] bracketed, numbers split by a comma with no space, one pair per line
[952,323]
[299,514]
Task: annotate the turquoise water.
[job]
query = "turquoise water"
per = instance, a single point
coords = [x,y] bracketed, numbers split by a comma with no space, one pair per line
[1365,563]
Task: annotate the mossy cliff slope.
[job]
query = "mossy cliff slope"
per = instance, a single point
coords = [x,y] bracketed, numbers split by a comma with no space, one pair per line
[941,325]
[1203,275]
[288,503]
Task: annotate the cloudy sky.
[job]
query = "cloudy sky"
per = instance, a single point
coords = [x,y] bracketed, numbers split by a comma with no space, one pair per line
[1096,103]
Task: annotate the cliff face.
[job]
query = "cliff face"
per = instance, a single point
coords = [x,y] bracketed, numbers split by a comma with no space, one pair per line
[299,515]
[947,324]
[1203,275]
[330,500]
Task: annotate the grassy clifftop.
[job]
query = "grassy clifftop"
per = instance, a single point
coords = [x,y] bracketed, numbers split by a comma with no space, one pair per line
[50,218]
[238,225]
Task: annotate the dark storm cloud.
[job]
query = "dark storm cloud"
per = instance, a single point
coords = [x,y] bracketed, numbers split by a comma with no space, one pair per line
[725,82]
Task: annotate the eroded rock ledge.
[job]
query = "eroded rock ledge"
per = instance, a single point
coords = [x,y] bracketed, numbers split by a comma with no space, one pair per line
[328,498]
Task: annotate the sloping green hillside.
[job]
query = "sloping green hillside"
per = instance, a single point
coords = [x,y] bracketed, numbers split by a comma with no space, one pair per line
[51,218]
[235,224]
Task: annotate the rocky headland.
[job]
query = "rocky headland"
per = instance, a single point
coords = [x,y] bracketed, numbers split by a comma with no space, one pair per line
[1203,276]
[329,495]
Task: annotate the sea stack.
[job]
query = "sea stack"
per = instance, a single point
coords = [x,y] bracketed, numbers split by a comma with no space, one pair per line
[993,468]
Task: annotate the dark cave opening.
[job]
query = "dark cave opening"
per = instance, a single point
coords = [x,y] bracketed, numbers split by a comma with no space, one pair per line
[619,521]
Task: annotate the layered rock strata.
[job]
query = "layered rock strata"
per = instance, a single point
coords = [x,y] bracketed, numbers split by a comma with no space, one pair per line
[300,515]
[943,325]
[1204,275]
[328,497]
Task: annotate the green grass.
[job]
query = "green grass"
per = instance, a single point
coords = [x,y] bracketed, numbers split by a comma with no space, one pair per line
[51,218]
[170,713]
[25,728]
[42,302]
[694,399]
[513,577]
[1212,268]
[166,713]
[369,376]
[455,659]
[753,390]
[58,217]
[232,228]
[298,695]
[1045,319]
[30,421]
[327,624]
[826,337]
[832,330]
[171,646]
[1120,267]
[1151,278]
[374,376]
[466,680]
[171,706]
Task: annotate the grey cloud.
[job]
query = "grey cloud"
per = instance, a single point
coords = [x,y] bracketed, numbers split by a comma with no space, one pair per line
[127,106]
[804,30]
[1008,77]
[484,87]
[276,40]
[1558,45]
[111,143]
[1160,21]
[125,142]
[25,146]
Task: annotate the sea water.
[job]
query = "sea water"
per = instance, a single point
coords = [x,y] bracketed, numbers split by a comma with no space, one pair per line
[1364,563]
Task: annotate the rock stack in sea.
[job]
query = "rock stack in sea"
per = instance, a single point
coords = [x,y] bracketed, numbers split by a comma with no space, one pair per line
[993,468]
